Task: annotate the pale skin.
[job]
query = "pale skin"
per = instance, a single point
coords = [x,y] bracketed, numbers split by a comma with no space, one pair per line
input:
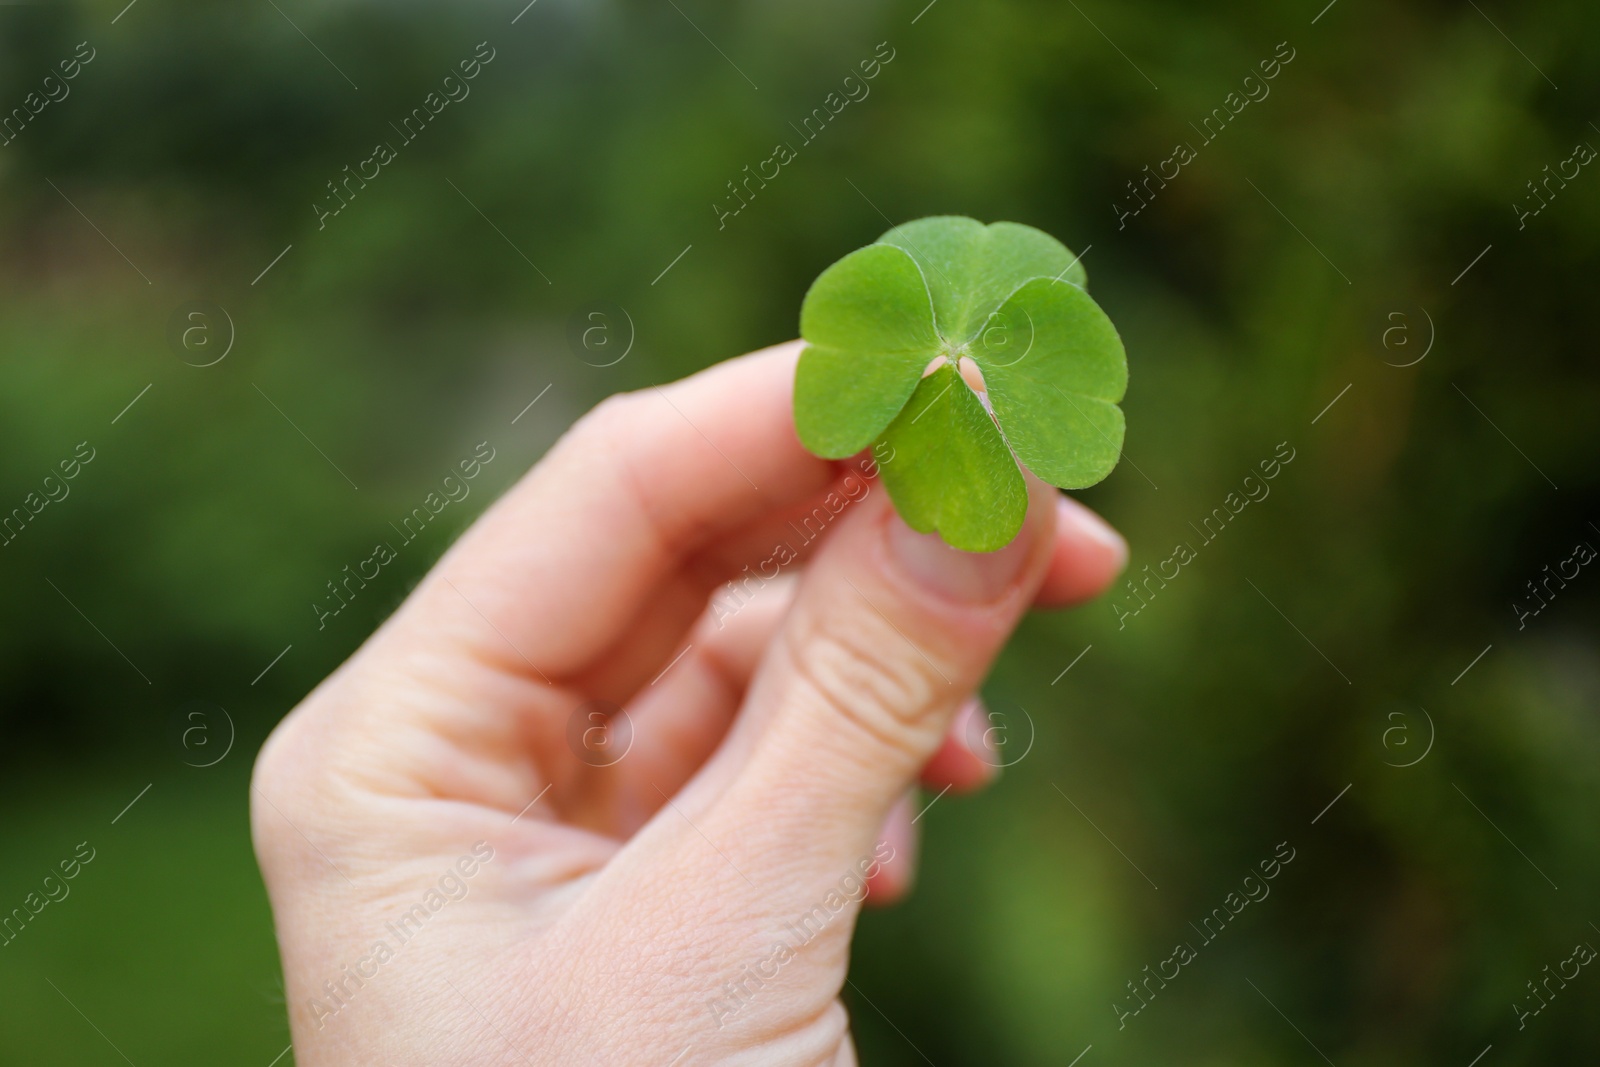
[770,767]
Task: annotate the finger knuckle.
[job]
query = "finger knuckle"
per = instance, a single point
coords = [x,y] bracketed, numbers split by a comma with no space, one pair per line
[278,792]
[610,415]
[862,671]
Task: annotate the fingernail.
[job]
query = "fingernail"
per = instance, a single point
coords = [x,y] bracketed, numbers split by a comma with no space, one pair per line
[964,577]
[1071,513]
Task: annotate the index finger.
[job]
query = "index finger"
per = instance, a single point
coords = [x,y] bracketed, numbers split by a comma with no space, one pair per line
[562,564]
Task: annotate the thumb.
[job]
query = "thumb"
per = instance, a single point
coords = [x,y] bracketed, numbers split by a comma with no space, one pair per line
[890,632]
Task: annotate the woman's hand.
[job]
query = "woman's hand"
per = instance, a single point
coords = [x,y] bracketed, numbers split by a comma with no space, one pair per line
[561,810]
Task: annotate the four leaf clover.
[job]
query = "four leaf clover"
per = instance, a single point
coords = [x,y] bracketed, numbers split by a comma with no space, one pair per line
[894,332]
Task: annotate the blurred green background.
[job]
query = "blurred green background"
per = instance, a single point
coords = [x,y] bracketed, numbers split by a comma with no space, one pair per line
[1311,252]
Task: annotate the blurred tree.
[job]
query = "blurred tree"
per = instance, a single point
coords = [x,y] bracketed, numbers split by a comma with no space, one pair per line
[1256,292]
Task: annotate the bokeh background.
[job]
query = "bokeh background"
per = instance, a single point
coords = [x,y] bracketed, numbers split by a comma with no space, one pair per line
[1364,235]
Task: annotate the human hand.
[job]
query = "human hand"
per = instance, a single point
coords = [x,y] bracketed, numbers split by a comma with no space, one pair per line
[467,866]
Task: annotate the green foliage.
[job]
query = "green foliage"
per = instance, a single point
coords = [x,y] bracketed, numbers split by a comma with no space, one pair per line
[1010,299]
[1196,738]
[869,334]
[950,470]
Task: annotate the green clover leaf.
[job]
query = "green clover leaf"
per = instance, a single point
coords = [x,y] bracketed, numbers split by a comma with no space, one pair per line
[888,329]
